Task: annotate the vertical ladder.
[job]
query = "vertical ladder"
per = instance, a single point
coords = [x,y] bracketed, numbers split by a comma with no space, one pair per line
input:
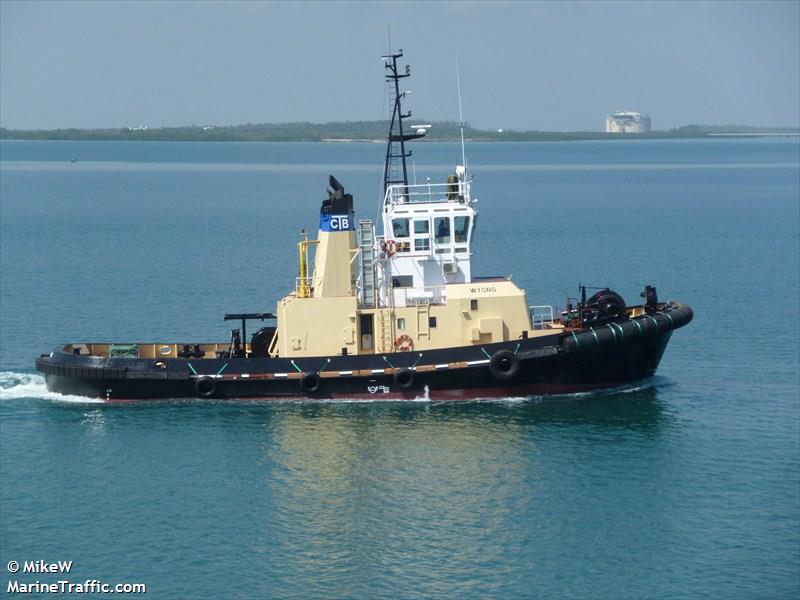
[423,320]
[386,329]
[366,248]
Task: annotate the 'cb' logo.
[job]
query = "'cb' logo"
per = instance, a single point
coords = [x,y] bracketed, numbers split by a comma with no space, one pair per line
[340,222]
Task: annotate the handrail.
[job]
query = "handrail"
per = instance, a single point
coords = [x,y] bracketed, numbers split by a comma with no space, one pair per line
[411,296]
[541,315]
[427,192]
[303,286]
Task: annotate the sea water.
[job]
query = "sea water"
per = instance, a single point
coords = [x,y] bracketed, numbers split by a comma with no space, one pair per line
[683,486]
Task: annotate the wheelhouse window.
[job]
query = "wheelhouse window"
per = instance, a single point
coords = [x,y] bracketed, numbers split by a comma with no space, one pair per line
[441,227]
[422,244]
[421,226]
[400,228]
[461,229]
[402,281]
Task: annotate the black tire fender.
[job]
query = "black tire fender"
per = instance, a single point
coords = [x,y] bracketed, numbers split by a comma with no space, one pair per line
[310,382]
[404,378]
[504,365]
[205,386]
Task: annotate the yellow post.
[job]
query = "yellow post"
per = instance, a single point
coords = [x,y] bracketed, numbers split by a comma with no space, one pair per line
[303,289]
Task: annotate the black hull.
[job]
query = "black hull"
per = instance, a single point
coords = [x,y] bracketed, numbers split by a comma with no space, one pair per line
[607,356]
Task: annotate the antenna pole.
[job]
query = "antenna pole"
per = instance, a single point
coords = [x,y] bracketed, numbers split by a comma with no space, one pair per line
[461,119]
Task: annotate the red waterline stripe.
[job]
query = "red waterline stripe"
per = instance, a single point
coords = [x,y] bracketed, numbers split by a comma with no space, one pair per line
[433,395]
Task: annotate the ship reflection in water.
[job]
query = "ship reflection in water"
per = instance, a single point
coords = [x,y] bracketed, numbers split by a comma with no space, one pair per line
[368,482]
[422,496]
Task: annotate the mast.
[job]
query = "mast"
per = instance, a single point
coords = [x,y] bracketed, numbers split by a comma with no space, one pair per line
[396,134]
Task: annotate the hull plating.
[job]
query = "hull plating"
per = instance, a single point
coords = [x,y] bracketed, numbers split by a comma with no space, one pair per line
[556,364]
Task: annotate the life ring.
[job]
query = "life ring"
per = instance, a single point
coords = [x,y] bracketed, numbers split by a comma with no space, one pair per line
[404,343]
[391,248]
[205,386]
[504,365]
[310,382]
[404,378]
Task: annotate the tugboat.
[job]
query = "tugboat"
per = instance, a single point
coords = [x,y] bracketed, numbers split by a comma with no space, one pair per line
[391,315]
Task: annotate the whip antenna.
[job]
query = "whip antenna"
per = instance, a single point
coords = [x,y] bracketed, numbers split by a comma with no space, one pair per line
[461,118]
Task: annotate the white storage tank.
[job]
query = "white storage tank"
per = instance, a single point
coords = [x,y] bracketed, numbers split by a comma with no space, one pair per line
[628,122]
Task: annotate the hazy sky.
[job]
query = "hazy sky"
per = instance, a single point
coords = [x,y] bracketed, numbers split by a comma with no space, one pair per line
[524,65]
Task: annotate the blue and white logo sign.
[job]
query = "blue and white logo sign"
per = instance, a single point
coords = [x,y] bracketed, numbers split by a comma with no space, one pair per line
[340,222]
[336,223]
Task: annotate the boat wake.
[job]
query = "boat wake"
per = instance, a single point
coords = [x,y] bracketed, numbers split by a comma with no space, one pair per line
[630,388]
[15,386]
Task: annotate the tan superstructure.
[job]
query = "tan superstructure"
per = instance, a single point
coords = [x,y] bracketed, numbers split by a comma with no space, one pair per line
[492,311]
[409,289]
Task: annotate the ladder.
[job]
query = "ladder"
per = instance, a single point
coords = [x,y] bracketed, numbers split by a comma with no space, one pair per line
[423,320]
[366,248]
[386,329]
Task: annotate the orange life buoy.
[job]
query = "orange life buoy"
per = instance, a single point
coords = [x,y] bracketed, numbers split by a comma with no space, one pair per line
[404,343]
[391,248]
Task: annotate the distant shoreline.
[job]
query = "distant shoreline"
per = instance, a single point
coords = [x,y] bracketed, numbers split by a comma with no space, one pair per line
[372,132]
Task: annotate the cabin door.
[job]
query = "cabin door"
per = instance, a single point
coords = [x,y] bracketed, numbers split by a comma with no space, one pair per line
[365,332]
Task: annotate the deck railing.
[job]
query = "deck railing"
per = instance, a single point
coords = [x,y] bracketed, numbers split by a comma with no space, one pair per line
[419,296]
[541,316]
[303,286]
[427,192]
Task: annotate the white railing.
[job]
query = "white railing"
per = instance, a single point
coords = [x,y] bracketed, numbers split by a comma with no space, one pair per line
[427,192]
[416,296]
[541,316]
[303,286]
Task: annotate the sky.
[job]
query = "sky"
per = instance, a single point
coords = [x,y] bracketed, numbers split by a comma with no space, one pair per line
[560,66]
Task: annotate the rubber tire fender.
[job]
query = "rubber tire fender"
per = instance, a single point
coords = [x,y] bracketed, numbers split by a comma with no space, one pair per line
[310,382]
[504,365]
[404,378]
[205,386]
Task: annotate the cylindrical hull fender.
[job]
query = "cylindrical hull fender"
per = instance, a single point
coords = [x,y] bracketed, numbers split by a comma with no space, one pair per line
[640,328]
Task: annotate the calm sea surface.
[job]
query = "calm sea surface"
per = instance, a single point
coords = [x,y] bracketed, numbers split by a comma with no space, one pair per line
[687,486]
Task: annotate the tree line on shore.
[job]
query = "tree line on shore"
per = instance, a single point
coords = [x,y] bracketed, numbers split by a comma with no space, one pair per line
[356,131]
